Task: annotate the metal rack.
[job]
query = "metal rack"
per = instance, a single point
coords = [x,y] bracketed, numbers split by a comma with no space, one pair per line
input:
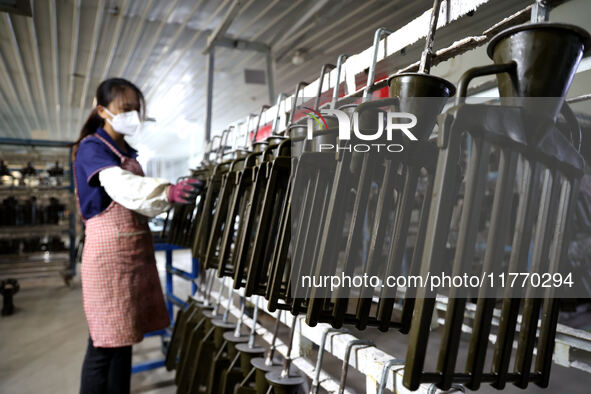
[382,370]
[373,362]
[41,264]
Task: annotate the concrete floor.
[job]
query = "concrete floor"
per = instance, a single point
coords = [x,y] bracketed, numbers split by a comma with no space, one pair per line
[43,344]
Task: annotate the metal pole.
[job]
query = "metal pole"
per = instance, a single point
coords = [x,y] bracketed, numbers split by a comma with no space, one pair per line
[280,98]
[540,11]
[335,92]
[169,283]
[425,64]
[194,273]
[72,218]
[270,76]
[241,317]
[209,93]
[372,67]
[253,329]
[271,352]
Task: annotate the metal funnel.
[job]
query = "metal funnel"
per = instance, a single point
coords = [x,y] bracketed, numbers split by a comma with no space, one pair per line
[422,95]
[546,57]
[546,54]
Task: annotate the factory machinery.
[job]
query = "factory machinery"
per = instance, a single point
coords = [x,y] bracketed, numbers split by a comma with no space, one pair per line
[487,187]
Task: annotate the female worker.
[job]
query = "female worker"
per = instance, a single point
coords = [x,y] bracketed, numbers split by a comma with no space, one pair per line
[121,292]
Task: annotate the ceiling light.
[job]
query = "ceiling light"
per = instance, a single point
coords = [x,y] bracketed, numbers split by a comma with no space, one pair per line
[298,57]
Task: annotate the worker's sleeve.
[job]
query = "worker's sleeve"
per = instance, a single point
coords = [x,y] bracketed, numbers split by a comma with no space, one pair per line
[144,195]
[94,156]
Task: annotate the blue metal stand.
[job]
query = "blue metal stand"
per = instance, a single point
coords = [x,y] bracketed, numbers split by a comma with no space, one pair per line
[171,300]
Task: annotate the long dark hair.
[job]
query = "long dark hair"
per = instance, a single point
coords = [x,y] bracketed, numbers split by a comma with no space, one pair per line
[109,90]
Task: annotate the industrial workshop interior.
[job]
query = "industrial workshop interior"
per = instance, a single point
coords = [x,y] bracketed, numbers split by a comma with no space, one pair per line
[295,196]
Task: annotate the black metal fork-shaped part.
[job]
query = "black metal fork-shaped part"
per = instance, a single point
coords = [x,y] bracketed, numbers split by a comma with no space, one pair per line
[493,259]
[193,329]
[267,227]
[558,253]
[232,215]
[547,218]
[179,330]
[551,229]
[205,221]
[279,285]
[230,244]
[524,225]
[213,250]
[248,223]
[426,155]
[200,345]
[282,273]
[277,199]
[235,239]
[333,223]
[318,170]
[386,203]
[403,207]
[261,212]
[476,176]
[440,215]
[444,186]
[279,247]
[325,255]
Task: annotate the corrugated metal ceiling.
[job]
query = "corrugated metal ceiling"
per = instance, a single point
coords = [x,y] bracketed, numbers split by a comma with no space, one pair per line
[51,63]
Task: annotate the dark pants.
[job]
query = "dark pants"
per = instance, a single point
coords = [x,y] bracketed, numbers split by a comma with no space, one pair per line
[106,370]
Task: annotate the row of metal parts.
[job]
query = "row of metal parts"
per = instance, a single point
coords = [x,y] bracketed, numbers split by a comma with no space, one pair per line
[209,352]
[212,354]
[285,208]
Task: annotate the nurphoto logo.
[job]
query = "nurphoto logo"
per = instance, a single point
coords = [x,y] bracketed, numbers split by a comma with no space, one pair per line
[395,122]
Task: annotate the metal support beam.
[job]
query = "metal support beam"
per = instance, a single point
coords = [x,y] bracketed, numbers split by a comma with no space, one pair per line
[98,22]
[236,43]
[31,142]
[231,43]
[69,101]
[223,26]
[209,93]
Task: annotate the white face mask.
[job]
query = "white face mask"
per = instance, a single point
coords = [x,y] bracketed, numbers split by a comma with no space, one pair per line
[126,123]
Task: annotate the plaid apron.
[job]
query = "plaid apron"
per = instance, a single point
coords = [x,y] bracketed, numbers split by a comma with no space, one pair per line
[121,291]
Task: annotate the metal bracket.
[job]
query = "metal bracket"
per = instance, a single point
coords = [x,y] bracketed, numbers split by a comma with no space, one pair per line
[227,20]
[384,378]
[540,11]
[245,45]
[345,368]
[314,389]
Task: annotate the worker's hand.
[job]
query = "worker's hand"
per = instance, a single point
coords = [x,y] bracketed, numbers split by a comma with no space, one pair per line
[185,192]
